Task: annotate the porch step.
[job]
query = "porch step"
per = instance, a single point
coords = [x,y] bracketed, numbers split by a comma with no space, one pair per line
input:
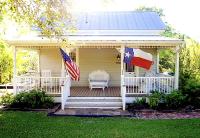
[94,102]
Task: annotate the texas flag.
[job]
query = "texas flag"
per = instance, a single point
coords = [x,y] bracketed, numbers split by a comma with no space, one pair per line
[138,58]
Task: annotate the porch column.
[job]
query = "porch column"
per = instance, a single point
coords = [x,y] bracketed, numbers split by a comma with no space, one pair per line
[38,52]
[122,60]
[157,61]
[176,68]
[14,71]
[123,88]
[62,68]
[77,56]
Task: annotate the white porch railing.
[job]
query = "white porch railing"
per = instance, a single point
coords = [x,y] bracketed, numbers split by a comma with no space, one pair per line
[51,85]
[65,91]
[144,85]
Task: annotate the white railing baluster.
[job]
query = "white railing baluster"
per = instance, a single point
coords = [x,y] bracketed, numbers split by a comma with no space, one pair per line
[141,85]
[50,85]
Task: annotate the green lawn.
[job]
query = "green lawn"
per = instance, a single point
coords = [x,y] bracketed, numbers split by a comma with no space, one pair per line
[32,124]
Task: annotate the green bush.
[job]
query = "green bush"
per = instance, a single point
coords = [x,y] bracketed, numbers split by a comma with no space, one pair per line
[32,99]
[139,103]
[175,100]
[6,99]
[192,92]
[157,100]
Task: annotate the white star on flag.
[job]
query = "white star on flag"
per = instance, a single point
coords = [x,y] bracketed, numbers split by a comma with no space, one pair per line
[127,54]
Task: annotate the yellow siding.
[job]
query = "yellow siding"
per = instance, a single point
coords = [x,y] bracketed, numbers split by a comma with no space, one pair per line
[51,59]
[91,59]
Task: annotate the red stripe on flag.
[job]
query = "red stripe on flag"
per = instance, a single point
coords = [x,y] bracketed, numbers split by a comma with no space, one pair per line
[72,71]
[72,68]
[141,62]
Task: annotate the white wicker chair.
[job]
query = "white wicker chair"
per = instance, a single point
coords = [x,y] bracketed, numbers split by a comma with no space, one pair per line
[98,79]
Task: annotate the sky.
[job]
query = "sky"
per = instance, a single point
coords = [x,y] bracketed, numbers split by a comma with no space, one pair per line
[183,15]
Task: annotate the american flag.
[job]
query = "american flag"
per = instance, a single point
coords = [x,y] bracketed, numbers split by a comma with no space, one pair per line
[70,66]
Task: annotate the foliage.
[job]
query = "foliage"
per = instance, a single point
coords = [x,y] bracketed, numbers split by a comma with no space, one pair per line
[26,61]
[51,17]
[175,100]
[32,99]
[156,99]
[139,103]
[192,92]
[6,99]
[189,63]
[5,63]
[152,9]
[167,63]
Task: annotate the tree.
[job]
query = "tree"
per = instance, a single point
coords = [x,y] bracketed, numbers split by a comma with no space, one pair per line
[5,63]
[190,63]
[189,56]
[50,17]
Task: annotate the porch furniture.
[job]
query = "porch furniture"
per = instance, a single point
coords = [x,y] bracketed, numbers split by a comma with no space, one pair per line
[98,79]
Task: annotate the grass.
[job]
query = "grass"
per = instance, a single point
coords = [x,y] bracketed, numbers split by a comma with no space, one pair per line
[34,124]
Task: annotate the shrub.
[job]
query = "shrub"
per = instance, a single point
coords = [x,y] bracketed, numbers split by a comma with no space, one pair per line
[32,99]
[157,100]
[192,92]
[139,103]
[6,99]
[175,100]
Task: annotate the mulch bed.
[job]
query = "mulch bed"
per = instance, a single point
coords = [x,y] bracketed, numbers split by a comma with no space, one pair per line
[48,110]
[135,113]
[138,114]
[146,114]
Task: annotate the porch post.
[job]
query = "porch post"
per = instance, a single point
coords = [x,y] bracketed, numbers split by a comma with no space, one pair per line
[176,68]
[14,71]
[77,56]
[123,88]
[62,68]
[38,52]
[157,61]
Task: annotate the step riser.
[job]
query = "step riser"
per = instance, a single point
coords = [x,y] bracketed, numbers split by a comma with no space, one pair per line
[107,103]
[97,107]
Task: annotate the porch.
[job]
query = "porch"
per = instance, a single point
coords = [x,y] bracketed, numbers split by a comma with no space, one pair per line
[123,82]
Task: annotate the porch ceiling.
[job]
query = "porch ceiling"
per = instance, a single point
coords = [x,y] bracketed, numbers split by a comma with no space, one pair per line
[99,42]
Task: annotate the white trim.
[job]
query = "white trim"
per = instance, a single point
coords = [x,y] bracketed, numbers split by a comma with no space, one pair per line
[177,68]
[14,70]
[136,71]
[110,107]
[157,61]
[77,56]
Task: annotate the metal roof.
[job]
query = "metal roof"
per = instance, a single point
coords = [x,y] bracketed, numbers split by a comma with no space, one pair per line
[120,20]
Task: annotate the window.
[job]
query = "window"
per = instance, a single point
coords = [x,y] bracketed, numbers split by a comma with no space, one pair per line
[129,68]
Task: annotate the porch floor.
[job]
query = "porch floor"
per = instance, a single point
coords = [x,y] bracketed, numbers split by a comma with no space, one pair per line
[86,92]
